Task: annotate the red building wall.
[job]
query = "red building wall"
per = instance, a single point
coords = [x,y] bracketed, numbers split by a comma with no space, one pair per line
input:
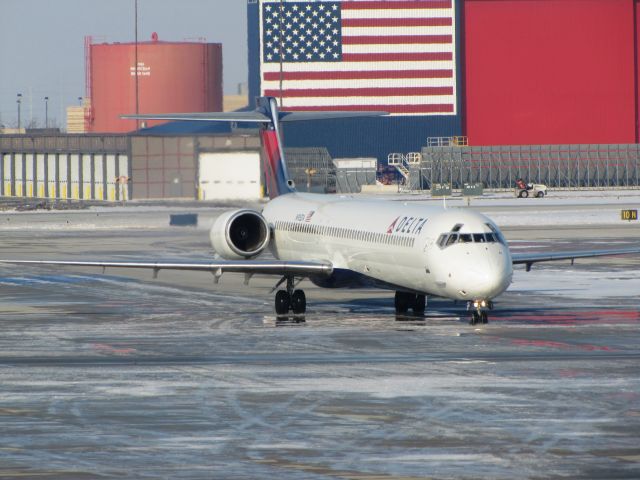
[550,71]
[172,78]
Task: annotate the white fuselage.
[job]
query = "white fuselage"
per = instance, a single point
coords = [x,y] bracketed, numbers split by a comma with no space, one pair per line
[451,253]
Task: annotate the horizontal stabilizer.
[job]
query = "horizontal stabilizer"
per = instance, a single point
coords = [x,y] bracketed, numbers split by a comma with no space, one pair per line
[326,115]
[253,117]
[265,113]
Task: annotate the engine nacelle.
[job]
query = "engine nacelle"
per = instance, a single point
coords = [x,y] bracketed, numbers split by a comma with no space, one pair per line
[240,234]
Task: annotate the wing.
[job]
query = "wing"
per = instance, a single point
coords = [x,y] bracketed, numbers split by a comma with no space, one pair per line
[530,258]
[248,267]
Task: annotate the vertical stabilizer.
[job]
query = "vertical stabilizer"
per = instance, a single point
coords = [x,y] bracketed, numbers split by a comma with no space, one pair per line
[275,168]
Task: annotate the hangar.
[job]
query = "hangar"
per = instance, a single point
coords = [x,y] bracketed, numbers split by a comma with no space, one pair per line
[499,72]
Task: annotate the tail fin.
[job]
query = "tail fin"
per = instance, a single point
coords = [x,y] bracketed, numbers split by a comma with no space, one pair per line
[275,167]
[268,116]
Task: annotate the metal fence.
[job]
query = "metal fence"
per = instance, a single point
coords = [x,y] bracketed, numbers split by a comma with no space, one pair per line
[351,180]
[557,166]
[311,169]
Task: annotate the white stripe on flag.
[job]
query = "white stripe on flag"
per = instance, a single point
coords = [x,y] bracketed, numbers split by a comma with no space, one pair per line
[394,31]
[346,101]
[399,48]
[382,83]
[393,13]
[359,66]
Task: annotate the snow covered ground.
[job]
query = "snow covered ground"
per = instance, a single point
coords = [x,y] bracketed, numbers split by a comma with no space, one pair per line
[570,208]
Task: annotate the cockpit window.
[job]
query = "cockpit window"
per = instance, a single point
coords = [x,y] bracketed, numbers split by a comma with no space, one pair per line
[497,234]
[457,227]
[466,238]
[447,239]
[453,238]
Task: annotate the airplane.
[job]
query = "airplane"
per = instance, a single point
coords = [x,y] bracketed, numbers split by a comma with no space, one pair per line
[339,241]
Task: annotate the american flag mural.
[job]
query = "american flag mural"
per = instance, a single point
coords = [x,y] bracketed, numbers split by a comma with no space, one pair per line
[392,55]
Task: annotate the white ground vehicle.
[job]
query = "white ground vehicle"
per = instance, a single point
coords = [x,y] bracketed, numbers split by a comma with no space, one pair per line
[537,190]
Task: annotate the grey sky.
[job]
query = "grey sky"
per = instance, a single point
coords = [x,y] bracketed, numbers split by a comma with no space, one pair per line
[42,44]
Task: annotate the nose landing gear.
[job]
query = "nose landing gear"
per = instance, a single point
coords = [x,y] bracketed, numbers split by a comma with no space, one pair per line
[290,299]
[479,310]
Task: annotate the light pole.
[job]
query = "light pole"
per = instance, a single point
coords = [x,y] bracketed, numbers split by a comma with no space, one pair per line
[79,100]
[46,112]
[19,101]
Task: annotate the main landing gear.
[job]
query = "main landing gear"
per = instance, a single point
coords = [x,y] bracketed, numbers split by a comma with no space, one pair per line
[478,310]
[290,299]
[405,301]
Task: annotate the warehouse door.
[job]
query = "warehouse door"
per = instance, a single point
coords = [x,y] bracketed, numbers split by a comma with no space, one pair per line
[231,175]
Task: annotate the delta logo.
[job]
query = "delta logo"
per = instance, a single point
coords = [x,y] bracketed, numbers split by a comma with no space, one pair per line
[410,225]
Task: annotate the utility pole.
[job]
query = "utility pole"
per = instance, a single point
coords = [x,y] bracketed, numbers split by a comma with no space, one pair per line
[19,100]
[46,112]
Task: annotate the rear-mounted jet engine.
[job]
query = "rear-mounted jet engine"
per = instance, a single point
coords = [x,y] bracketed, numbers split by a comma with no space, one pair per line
[240,234]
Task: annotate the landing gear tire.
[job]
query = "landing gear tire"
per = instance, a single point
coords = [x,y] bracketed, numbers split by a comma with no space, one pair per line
[403,301]
[283,302]
[290,299]
[479,317]
[298,302]
[419,305]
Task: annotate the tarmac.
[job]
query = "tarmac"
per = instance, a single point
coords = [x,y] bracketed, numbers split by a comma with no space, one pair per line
[118,375]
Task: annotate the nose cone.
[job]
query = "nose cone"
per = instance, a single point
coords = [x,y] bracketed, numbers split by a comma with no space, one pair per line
[485,276]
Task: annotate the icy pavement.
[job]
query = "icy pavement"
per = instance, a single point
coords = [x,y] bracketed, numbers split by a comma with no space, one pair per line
[135,379]
[121,376]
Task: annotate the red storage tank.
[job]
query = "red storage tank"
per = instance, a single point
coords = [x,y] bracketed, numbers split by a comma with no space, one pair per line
[550,71]
[173,77]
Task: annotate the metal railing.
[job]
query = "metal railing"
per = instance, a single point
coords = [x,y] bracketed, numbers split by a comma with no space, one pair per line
[405,164]
[557,166]
[455,141]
